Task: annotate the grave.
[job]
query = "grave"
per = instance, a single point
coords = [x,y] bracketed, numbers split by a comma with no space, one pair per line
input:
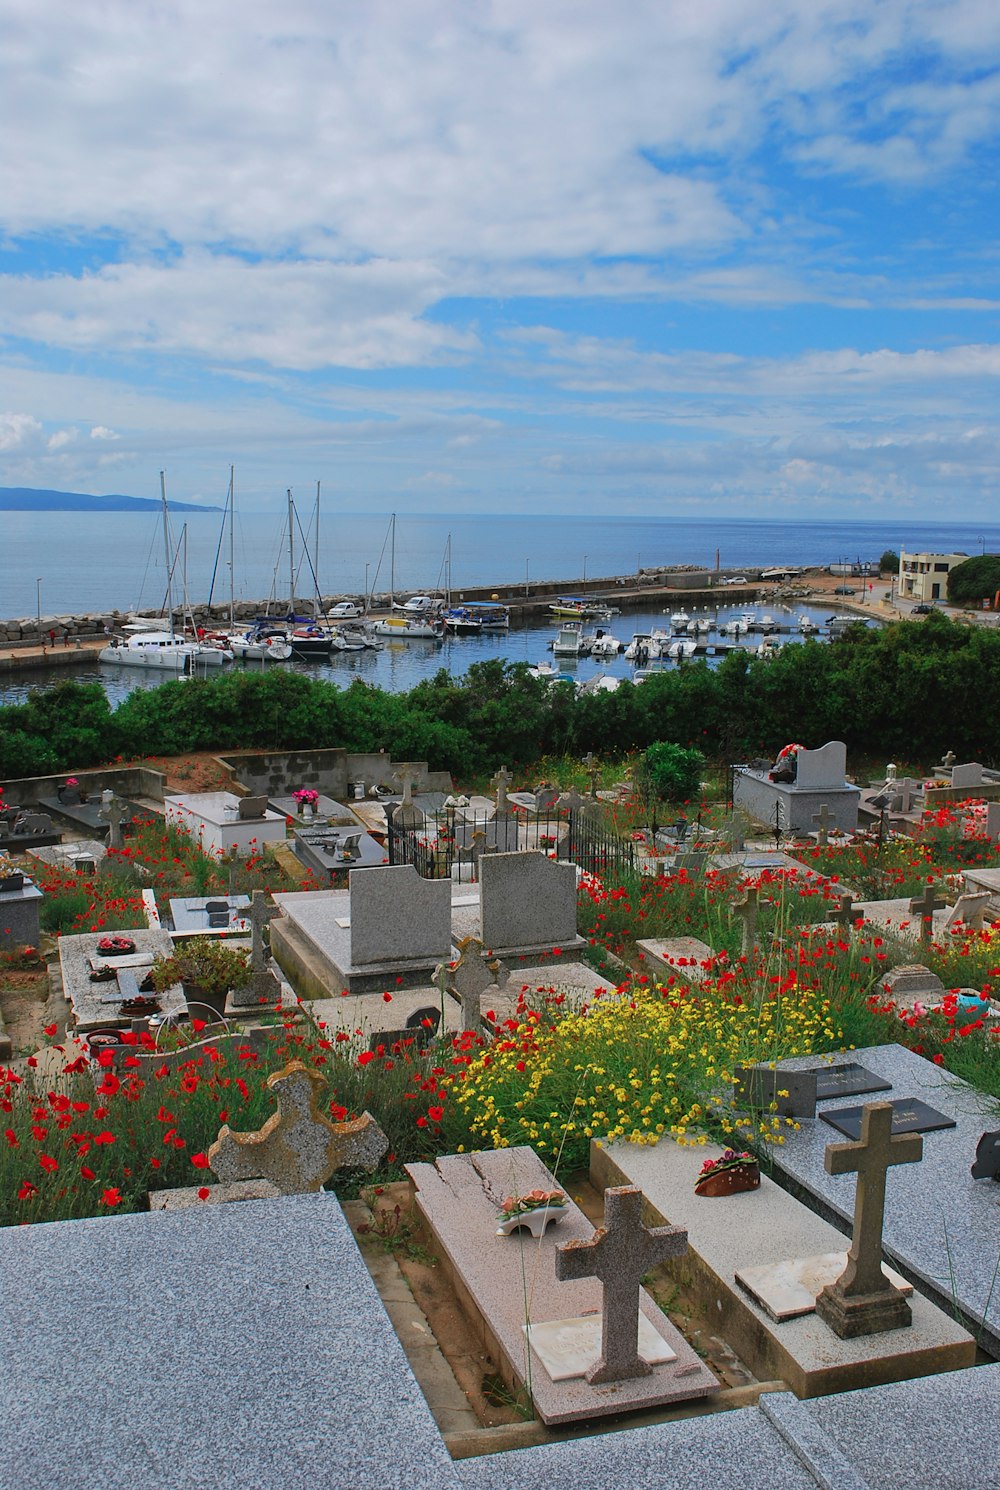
[298,1149]
[389,929]
[460,1198]
[86,816]
[527,904]
[768,1229]
[329,852]
[213,821]
[218,915]
[97,1006]
[19,909]
[264,991]
[673,957]
[942,1227]
[22,830]
[820,781]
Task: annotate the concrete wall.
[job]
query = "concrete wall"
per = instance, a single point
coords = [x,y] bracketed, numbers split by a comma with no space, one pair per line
[277,773]
[124,781]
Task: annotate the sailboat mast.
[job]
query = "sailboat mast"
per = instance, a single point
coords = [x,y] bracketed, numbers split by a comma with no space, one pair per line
[166,555]
[392,563]
[232,555]
[291,554]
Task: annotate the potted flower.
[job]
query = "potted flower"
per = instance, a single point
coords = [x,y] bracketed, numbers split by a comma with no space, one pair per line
[208,967]
[533,1210]
[307,800]
[11,879]
[728,1175]
[71,791]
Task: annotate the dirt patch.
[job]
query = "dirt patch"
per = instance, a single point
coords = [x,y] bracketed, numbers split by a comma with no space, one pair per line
[23,1000]
[198,772]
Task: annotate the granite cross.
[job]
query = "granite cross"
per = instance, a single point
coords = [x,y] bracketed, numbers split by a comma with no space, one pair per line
[947,761]
[593,768]
[297,1149]
[863,1301]
[824,820]
[847,913]
[407,814]
[114,813]
[470,977]
[905,792]
[746,911]
[925,905]
[620,1253]
[262,911]
[500,782]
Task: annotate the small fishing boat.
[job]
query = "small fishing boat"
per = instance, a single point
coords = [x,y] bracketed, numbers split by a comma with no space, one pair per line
[567,642]
[406,629]
[580,606]
[679,622]
[642,648]
[475,616]
[604,645]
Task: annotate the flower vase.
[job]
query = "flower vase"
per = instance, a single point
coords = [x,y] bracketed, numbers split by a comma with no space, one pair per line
[535,1221]
[308,812]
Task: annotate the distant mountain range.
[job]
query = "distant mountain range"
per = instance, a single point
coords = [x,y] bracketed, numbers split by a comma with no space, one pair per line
[32,499]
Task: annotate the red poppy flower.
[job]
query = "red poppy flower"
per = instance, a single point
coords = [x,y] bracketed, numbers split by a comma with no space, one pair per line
[200,1161]
[112,1196]
[387,998]
[435,1114]
[88,1174]
[204,1192]
[46,1162]
[27,1190]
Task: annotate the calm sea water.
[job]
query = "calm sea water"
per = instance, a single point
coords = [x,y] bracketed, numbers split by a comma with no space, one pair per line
[75,562]
[401,665]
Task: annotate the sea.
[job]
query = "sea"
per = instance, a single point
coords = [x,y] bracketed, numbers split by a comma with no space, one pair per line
[72,563]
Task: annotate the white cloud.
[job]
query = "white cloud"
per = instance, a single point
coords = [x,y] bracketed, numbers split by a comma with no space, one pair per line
[19,432]
[99,432]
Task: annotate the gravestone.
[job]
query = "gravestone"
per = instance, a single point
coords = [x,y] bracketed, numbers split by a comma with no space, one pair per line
[620,1253]
[297,1149]
[527,903]
[863,1301]
[987,1165]
[684,957]
[745,911]
[847,914]
[993,820]
[924,906]
[500,782]
[969,910]
[786,1093]
[824,821]
[407,814]
[469,979]
[263,990]
[19,909]
[497,833]
[114,813]
[396,916]
[592,766]
[968,775]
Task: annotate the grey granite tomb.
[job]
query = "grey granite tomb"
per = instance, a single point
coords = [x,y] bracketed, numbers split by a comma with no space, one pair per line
[19,915]
[820,780]
[527,904]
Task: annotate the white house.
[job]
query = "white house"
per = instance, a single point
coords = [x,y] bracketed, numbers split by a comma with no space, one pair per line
[924,577]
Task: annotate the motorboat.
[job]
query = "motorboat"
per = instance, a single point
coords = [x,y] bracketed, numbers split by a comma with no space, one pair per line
[407,629]
[807,625]
[346,641]
[679,622]
[737,626]
[599,683]
[567,642]
[642,648]
[684,647]
[251,646]
[603,644]
[568,606]
[475,616]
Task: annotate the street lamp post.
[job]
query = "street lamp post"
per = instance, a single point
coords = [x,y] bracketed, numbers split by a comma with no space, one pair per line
[585,568]
[366,587]
[526,576]
[38,611]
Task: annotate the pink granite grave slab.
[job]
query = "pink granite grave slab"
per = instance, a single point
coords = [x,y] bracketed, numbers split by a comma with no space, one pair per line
[507,1282]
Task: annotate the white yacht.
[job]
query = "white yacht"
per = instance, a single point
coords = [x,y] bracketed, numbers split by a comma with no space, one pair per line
[163,650]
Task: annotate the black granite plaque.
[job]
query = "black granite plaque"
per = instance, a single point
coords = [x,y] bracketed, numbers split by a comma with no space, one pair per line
[847,1079]
[909,1115]
[987,1165]
[787,1093]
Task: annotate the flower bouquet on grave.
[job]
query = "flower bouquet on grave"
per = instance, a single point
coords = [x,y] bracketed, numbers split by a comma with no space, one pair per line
[728,1175]
[533,1210]
[306,797]
[116,946]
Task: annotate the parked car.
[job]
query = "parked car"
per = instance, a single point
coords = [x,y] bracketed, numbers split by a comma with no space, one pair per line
[923,609]
[845,590]
[736,579]
[344,610]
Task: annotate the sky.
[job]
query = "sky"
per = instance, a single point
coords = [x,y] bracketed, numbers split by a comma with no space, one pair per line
[659,257]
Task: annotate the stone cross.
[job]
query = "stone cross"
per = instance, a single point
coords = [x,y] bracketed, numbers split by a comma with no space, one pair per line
[924,906]
[500,782]
[847,913]
[593,768]
[114,813]
[906,790]
[863,1301]
[297,1149]
[746,910]
[262,911]
[824,820]
[407,814]
[470,978]
[620,1253]
[947,761]
[480,845]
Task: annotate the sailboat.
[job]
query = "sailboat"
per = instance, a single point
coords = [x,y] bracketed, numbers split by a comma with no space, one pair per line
[404,627]
[147,645]
[303,635]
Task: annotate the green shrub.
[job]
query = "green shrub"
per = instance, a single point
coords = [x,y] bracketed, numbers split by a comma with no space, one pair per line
[977,579]
[673,771]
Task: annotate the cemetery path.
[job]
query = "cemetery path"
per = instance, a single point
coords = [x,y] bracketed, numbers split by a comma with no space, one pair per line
[23,999]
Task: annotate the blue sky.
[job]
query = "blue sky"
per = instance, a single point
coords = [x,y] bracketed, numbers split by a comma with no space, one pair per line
[656,258]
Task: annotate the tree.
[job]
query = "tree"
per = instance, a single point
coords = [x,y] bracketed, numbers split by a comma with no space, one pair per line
[889,563]
[976,579]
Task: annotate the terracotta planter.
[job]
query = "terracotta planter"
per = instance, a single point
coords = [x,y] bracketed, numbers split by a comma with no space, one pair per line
[729,1181]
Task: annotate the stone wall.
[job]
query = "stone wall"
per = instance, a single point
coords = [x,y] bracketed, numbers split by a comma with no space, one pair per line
[330,772]
[129,782]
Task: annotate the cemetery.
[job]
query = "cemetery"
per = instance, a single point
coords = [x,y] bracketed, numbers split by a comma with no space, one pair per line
[600,1134]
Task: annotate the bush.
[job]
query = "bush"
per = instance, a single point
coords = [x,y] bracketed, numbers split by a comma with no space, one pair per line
[673,771]
[977,579]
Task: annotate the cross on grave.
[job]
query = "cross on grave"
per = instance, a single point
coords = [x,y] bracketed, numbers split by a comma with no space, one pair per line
[847,913]
[746,911]
[407,814]
[947,761]
[863,1301]
[906,790]
[470,977]
[620,1253]
[593,769]
[924,906]
[824,820]
[500,782]
[114,813]
[480,845]
[262,911]
[297,1149]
